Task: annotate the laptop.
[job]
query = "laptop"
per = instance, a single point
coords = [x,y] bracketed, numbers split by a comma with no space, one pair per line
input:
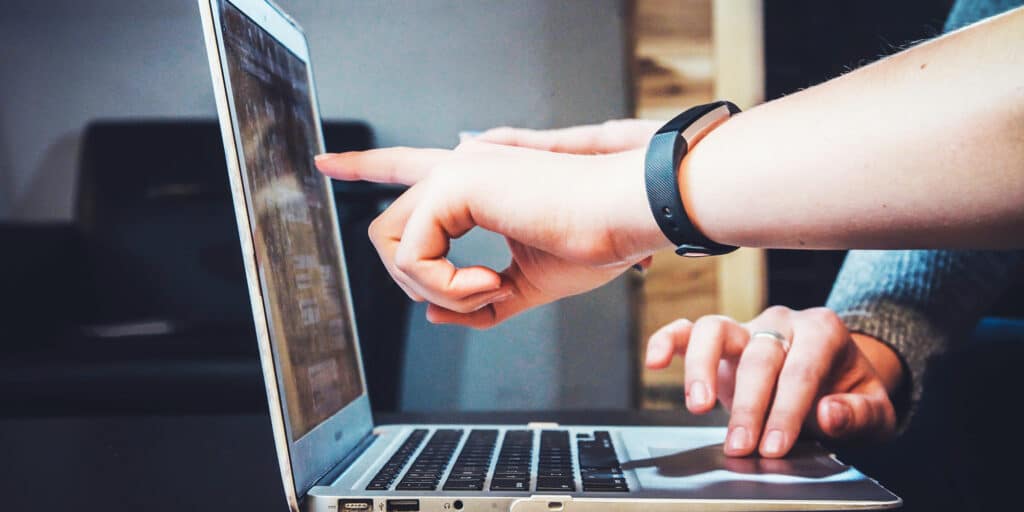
[332,457]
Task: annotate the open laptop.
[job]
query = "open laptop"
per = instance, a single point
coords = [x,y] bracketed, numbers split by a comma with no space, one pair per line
[332,457]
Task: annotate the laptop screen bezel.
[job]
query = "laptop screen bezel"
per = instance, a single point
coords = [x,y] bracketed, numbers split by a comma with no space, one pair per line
[305,460]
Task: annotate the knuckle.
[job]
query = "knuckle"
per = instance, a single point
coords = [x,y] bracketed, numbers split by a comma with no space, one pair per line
[678,325]
[743,412]
[786,418]
[404,260]
[712,325]
[502,130]
[777,311]
[826,319]
[374,229]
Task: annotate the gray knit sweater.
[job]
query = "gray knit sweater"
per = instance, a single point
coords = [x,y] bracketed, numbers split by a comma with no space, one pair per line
[920,302]
[923,302]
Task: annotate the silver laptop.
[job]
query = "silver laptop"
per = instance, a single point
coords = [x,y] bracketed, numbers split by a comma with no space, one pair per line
[332,457]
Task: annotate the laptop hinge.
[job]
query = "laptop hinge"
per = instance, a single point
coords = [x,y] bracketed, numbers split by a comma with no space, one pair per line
[332,474]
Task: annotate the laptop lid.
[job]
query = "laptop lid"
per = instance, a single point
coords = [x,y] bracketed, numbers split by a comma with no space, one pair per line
[290,239]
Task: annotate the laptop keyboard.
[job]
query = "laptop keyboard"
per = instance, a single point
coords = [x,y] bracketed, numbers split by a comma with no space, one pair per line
[554,465]
[599,466]
[386,476]
[515,462]
[516,469]
[425,472]
[470,469]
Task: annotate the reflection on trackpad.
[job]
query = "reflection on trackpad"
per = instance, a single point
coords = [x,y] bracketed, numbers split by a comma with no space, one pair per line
[672,462]
[693,458]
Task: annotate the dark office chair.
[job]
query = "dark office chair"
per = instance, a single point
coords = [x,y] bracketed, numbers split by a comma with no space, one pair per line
[161,318]
[155,211]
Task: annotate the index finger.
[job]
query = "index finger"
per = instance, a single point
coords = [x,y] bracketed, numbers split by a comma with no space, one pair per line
[813,350]
[406,166]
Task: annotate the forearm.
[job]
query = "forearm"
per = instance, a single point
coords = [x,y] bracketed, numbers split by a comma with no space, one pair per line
[922,149]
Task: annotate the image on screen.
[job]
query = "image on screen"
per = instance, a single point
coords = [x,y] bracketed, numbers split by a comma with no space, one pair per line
[293,232]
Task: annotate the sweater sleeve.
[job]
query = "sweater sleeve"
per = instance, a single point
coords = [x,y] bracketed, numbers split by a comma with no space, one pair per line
[920,302]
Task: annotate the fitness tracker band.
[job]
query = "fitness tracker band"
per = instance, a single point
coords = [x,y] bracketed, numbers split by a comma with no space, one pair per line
[666,150]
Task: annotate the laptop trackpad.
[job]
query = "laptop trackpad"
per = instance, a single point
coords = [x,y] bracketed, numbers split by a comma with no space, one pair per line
[693,458]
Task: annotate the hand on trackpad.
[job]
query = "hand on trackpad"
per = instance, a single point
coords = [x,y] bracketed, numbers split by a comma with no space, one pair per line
[803,461]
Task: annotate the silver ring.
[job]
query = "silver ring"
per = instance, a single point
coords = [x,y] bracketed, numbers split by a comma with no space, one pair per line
[775,335]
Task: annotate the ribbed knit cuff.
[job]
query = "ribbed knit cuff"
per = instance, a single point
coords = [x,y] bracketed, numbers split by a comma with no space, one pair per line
[908,333]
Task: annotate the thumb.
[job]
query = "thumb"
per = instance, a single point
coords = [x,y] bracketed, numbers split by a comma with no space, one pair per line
[856,415]
[521,296]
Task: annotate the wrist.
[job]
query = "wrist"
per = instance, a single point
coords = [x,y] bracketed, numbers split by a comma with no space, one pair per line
[702,196]
[632,227]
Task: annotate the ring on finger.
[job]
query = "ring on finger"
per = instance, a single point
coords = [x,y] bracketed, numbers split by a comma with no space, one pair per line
[772,334]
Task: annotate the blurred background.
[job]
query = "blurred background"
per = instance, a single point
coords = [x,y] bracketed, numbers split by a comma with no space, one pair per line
[119,238]
[123,290]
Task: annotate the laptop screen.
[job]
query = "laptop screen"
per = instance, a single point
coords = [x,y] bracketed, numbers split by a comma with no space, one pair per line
[290,213]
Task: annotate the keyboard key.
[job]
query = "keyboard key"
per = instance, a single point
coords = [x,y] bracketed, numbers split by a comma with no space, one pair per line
[555,471]
[425,472]
[510,484]
[599,466]
[515,461]
[383,479]
[547,483]
[470,469]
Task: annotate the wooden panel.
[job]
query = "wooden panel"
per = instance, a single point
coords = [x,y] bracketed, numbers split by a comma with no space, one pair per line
[672,68]
[673,56]
[688,52]
[738,37]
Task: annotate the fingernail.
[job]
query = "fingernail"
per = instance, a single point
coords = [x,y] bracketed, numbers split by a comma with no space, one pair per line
[739,438]
[839,415]
[322,156]
[773,441]
[698,394]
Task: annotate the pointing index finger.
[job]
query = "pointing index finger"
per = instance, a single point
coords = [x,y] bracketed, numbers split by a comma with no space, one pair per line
[405,166]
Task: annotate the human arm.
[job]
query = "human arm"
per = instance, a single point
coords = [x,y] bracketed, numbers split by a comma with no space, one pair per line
[850,163]
[923,149]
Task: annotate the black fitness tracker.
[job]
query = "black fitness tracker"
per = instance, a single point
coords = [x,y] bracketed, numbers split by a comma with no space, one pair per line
[666,150]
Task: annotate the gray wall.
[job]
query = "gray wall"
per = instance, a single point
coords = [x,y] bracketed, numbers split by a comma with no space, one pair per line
[418,71]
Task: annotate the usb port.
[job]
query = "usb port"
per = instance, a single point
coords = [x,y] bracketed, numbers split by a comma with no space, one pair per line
[403,505]
[354,505]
